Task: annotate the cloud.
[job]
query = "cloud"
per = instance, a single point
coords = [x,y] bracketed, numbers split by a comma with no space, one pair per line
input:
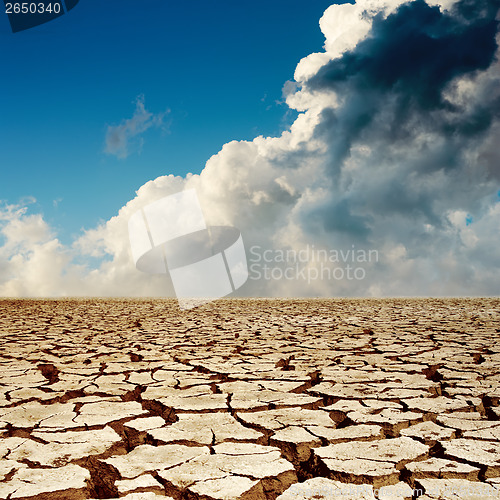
[394,150]
[32,260]
[120,139]
[34,263]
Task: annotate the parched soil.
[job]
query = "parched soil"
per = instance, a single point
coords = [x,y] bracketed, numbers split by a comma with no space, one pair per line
[250,398]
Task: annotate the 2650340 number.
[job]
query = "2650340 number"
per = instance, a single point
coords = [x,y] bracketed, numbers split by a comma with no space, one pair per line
[32,8]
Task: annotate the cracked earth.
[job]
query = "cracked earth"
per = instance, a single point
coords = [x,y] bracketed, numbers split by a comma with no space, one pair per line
[251,399]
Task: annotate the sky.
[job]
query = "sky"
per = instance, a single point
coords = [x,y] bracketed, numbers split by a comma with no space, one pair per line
[353,145]
[209,71]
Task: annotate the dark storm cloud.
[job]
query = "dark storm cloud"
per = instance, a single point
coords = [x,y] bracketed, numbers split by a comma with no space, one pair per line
[394,88]
[339,219]
[415,52]
[403,66]
[472,9]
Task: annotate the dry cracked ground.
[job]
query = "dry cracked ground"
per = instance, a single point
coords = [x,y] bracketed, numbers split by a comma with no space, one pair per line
[250,399]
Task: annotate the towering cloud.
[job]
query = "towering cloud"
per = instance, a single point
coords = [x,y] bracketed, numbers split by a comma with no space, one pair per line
[394,150]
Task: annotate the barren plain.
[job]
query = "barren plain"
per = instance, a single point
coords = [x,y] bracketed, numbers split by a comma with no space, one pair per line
[251,399]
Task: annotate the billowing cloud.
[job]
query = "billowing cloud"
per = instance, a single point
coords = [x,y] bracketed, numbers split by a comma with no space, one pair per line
[391,169]
[120,139]
[32,260]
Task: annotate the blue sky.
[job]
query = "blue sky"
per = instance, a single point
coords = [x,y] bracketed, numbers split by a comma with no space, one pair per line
[215,68]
